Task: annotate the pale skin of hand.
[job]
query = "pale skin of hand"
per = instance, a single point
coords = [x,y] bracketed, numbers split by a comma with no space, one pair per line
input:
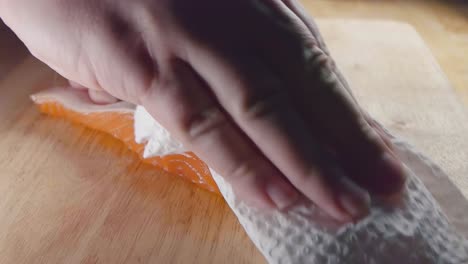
[247,85]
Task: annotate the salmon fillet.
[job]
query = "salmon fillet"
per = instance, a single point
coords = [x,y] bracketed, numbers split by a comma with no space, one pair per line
[117,121]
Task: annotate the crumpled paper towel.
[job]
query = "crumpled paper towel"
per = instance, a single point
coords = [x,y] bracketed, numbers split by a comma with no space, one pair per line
[416,232]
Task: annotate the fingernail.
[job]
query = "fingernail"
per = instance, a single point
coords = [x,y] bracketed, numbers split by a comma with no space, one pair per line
[354,200]
[392,176]
[282,195]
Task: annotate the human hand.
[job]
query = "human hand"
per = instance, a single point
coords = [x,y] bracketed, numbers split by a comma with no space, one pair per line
[247,85]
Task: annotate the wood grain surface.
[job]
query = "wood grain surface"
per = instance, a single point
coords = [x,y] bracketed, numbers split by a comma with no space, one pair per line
[443,24]
[70,195]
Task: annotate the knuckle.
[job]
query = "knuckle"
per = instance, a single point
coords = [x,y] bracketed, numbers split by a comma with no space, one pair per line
[305,177]
[239,171]
[193,116]
[263,104]
[362,133]
[202,124]
[247,173]
[318,62]
[316,56]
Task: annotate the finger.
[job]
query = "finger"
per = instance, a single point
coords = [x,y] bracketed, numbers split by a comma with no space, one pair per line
[380,131]
[182,103]
[297,8]
[299,11]
[365,154]
[200,123]
[256,101]
[333,113]
[361,150]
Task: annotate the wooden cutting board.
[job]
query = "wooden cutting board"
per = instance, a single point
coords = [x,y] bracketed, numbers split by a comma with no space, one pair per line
[71,195]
